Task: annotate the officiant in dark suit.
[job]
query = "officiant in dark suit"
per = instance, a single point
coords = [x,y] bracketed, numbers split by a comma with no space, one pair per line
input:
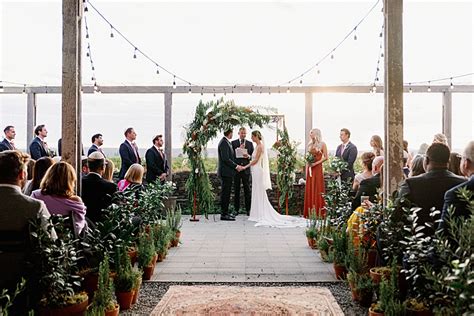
[128,151]
[244,176]
[226,170]
[156,163]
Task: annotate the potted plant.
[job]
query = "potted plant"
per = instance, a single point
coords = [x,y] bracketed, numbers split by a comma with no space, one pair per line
[124,281]
[55,261]
[352,279]
[311,234]
[388,298]
[104,301]
[340,252]
[173,220]
[323,247]
[7,299]
[146,254]
[365,290]
[137,274]
[379,273]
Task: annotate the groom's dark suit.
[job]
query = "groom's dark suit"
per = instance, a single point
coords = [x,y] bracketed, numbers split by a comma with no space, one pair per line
[226,171]
[243,176]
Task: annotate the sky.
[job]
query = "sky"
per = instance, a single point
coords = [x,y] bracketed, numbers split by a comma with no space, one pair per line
[222,42]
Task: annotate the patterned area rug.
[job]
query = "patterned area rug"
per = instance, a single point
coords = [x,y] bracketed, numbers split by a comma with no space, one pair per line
[235,300]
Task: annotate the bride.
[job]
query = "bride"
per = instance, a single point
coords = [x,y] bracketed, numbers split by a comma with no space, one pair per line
[261,211]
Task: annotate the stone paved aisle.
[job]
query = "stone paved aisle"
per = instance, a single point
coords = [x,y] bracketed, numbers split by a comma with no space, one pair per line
[218,251]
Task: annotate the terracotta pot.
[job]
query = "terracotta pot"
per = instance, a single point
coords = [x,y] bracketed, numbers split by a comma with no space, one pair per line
[371,258]
[133,254]
[169,245]
[113,312]
[90,284]
[372,313]
[136,292]
[425,312]
[160,257]
[78,309]
[355,294]
[124,299]
[148,272]
[155,258]
[340,271]
[178,234]
[377,277]
[175,243]
[312,243]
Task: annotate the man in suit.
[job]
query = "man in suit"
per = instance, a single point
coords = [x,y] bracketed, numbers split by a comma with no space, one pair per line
[97,141]
[96,192]
[347,151]
[38,147]
[369,187]
[16,210]
[128,151]
[427,190]
[7,143]
[244,176]
[156,163]
[226,170]
[451,197]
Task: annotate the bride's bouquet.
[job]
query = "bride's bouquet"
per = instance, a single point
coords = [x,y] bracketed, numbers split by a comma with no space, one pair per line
[310,159]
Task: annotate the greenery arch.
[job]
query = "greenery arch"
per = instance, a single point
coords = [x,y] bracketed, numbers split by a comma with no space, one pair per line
[210,119]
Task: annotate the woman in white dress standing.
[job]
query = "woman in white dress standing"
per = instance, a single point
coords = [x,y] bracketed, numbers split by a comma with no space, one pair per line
[261,211]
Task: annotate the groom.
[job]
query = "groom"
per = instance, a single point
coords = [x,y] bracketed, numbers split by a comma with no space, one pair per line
[226,171]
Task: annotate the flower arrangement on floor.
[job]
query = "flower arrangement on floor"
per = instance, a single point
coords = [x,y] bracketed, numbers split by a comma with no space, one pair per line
[210,119]
[287,160]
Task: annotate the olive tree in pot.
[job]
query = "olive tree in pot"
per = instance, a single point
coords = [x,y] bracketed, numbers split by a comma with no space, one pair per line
[125,280]
[146,254]
[55,261]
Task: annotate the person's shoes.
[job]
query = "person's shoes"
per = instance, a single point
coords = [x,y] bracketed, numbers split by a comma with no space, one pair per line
[234,215]
[227,218]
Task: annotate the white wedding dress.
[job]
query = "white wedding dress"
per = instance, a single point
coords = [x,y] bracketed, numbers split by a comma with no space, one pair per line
[261,211]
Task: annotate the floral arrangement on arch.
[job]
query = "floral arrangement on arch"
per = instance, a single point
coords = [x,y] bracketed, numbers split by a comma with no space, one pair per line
[287,160]
[210,119]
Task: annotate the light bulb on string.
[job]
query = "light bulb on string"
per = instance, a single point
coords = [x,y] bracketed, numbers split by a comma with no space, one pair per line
[24,89]
[410,89]
[87,35]
[269,92]
[288,90]
[174,82]
[429,86]
[332,56]
[135,53]
[111,31]
[1,88]
[301,81]
[355,33]
[86,9]
[215,93]
[451,85]
[202,89]
[157,71]
[260,90]
[382,55]
[251,89]
[87,54]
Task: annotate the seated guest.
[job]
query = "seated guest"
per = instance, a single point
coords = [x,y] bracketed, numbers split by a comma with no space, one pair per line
[440,139]
[109,170]
[41,166]
[377,145]
[369,187]
[427,190]
[133,180]
[96,192]
[417,166]
[451,197]
[16,210]
[367,159]
[455,163]
[57,192]
[30,166]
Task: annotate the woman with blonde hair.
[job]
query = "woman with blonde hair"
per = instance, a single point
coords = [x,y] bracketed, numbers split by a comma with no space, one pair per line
[109,170]
[314,190]
[132,180]
[377,144]
[57,192]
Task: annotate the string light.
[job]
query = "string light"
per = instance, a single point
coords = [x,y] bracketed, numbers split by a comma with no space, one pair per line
[202,89]
[135,53]
[429,86]
[189,90]
[24,89]
[111,31]
[410,89]
[174,82]
[355,34]
[251,89]
[288,90]
[451,86]
[215,93]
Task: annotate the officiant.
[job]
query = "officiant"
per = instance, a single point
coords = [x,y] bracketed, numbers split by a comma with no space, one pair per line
[243,150]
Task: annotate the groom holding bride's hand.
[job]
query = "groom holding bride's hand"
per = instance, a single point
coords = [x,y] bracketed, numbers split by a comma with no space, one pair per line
[226,170]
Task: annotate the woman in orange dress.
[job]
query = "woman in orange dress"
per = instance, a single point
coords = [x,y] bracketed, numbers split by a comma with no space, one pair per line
[313,195]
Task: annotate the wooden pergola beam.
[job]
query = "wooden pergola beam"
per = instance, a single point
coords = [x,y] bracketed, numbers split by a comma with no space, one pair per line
[242,89]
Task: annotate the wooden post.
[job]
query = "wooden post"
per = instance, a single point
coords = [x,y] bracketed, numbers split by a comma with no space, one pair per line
[308,120]
[168,131]
[71,83]
[393,174]
[30,119]
[448,116]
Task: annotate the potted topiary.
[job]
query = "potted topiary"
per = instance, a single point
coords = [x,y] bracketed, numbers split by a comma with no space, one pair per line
[137,274]
[104,301]
[311,234]
[340,252]
[365,290]
[124,281]
[146,254]
[173,220]
[55,260]
[415,307]
[323,247]
[388,298]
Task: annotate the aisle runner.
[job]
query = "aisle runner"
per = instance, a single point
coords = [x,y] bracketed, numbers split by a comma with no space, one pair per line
[234,300]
